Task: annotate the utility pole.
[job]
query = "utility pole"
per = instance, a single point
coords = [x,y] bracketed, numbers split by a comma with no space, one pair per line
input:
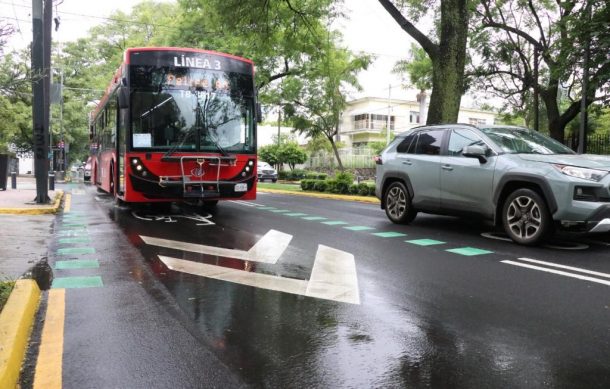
[40,127]
[387,140]
[536,103]
[582,133]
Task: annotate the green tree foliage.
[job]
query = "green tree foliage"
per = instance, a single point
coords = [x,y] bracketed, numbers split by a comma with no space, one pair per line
[15,102]
[269,154]
[318,98]
[418,68]
[291,154]
[446,48]
[510,35]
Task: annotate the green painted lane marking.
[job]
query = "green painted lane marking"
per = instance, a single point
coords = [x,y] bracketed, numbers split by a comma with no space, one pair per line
[74,240]
[295,214]
[279,210]
[359,228]
[76,250]
[266,208]
[314,218]
[77,264]
[77,282]
[334,223]
[425,242]
[469,251]
[73,233]
[388,234]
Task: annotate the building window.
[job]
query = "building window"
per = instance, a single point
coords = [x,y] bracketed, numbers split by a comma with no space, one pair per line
[361,121]
[476,121]
[372,121]
[414,117]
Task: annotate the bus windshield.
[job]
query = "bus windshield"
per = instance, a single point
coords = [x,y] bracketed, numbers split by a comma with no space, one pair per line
[191,109]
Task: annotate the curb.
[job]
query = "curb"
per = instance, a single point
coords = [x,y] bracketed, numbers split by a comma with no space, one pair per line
[362,199]
[16,322]
[44,210]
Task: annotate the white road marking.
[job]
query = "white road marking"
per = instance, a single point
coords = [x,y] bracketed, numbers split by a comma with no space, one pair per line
[246,203]
[267,250]
[264,281]
[578,269]
[77,192]
[562,273]
[333,276]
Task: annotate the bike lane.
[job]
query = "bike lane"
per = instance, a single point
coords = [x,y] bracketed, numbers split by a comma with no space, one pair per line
[108,322]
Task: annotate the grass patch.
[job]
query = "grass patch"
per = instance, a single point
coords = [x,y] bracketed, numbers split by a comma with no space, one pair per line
[289,187]
[5,290]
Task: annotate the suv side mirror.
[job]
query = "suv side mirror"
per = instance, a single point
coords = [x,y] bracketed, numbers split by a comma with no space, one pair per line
[475,151]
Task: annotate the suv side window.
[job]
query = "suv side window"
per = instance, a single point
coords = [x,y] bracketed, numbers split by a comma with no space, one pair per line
[429,142]
[408,144]
[461,138]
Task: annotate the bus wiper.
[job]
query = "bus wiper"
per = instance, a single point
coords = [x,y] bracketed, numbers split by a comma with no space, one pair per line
[215,141]
[180,142]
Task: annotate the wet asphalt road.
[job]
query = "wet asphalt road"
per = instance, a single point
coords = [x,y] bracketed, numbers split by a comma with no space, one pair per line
[427,316]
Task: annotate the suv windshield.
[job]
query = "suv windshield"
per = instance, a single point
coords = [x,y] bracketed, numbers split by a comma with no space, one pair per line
[191,109]
[516,140]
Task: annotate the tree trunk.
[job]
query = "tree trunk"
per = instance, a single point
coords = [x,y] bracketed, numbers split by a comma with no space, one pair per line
[332,143]
[448,63]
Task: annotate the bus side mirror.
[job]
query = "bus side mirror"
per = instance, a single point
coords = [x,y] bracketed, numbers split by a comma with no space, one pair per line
[259,113]
[123,94]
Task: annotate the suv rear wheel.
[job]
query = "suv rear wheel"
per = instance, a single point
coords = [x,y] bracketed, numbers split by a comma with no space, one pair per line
[398,206]
[525,217]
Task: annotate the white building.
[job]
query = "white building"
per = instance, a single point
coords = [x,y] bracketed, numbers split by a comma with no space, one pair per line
[267,134]
[365,119]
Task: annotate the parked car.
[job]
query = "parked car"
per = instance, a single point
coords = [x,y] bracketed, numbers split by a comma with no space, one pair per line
[87,170]
[522,180]
[265,172]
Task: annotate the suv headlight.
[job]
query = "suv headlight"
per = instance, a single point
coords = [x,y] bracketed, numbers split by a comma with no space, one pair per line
[581,172]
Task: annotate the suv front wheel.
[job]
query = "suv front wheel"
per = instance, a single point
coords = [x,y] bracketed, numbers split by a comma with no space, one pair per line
[398,206]
[525,217]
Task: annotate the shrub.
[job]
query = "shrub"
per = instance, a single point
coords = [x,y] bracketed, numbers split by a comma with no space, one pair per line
[320,185]
[363,190]
[315,176]
[354,189]
[371,190]
[342,187]
[345,177]
[297,174]
[282,175]
[308,184]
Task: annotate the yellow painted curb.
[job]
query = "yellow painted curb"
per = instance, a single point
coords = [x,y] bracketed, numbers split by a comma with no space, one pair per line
[45,210]
[16,322]
[362,199]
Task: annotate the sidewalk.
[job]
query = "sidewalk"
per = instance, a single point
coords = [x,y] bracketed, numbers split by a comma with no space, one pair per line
[25,227]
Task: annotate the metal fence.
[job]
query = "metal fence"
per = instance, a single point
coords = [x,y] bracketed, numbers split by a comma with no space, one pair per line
[596,143]
[350,158]
[359,158]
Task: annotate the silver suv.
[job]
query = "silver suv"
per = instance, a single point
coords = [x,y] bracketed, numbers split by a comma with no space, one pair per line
[518,178]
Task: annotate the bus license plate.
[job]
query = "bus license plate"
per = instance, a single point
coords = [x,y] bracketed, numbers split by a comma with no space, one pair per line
[243,187]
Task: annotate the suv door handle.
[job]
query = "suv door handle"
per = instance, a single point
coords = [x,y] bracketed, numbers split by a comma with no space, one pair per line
[407,162]
[447,167]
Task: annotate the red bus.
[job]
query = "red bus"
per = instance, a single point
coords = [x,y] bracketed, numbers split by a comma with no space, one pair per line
[177,124]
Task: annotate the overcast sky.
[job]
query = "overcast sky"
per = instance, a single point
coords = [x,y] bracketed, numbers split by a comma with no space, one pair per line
[369,28]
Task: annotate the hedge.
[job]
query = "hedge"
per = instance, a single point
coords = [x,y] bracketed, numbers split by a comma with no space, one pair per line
[338,187]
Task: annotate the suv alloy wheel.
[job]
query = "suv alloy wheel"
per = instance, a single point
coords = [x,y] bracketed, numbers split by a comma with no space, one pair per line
[398,204]
[525,217]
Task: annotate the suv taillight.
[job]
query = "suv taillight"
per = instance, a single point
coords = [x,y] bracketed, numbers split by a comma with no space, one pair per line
[378,160]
